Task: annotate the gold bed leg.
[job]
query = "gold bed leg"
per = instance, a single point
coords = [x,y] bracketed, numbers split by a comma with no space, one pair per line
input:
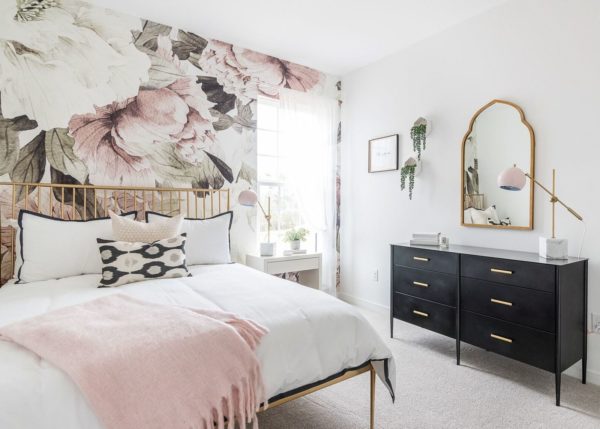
[372,425]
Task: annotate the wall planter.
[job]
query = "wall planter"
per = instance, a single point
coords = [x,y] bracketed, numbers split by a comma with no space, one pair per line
[411,168]
[418,134]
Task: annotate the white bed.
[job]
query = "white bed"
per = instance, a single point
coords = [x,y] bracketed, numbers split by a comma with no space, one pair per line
[313,336]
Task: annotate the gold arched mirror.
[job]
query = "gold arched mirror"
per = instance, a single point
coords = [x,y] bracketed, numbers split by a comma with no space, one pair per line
[498,137]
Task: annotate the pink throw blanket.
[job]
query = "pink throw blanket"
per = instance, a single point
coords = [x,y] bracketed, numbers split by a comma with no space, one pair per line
[144,365]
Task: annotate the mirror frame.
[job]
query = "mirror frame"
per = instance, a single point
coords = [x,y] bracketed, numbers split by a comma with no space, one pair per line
[531,169]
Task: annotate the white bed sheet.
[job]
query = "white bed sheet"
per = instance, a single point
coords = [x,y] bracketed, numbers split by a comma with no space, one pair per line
[312,336]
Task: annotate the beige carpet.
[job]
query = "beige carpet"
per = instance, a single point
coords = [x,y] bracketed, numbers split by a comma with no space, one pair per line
[487,391]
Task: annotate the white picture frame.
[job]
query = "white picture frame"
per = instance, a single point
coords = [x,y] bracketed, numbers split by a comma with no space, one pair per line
[383,154]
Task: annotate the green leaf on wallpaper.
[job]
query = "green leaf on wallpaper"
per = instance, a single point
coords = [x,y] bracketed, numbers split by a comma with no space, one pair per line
[150,32]
[225,121]
[188,43]
[9,140]
[31,164]
[224,102]
[170,167]
[57,176]
[208,176]
[59,151]
[244,116]
[162,72]
[246,173]
[223,168]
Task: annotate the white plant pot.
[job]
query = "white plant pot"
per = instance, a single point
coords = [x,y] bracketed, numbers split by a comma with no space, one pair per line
[413,160]
[427,123]
[295,245]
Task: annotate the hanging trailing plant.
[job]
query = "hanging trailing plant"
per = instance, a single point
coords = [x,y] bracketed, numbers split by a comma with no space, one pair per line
[408,171]
[418,134]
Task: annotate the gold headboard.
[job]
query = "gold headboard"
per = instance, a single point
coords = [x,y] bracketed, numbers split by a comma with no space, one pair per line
[84,202]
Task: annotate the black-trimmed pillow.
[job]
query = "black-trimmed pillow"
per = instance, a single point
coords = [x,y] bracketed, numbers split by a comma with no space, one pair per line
[53,248]
[126,262]
[208,239]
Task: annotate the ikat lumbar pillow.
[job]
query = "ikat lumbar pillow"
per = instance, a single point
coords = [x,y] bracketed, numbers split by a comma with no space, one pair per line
[142,232]
[126,262]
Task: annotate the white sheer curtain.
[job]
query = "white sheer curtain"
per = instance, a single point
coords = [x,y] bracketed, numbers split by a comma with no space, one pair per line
[308,133]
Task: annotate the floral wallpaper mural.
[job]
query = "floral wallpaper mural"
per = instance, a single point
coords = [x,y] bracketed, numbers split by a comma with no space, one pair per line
[90,95]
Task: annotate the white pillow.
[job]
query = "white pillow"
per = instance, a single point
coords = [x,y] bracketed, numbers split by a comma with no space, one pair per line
[53,248]
[467,218]
[480,217]
[141,232]
[207,239]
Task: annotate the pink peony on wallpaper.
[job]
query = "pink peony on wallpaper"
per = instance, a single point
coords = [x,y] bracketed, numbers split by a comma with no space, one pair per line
[90,95]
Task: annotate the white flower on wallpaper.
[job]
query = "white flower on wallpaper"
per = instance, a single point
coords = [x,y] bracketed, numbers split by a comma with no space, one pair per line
[59,58]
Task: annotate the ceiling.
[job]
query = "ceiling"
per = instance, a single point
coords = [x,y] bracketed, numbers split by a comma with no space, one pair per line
[334,36]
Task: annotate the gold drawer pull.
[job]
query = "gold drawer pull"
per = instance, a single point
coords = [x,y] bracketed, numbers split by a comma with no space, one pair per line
[420,313]
[420,284]
[498,301]
[499,271]
[501,338]
[418,258]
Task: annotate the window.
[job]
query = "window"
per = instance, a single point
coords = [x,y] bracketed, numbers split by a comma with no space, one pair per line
[272,166]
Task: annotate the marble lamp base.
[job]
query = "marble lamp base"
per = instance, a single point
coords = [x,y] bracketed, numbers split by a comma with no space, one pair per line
[554,248]
[267,249]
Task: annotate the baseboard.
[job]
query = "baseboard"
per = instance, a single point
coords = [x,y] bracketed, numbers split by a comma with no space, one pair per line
[363,303]
[593,377]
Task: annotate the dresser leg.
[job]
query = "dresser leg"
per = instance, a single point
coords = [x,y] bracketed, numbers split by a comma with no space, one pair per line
[584,368]
[558,376]
[458,352]
[391,327]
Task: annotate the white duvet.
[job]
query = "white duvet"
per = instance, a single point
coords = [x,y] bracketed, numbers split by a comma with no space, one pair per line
[312,336]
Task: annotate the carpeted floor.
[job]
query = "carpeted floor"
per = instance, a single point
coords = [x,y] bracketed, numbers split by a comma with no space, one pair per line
[486,391]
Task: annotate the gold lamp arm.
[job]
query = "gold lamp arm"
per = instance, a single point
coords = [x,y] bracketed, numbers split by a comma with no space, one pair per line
[267,215]
[554,198]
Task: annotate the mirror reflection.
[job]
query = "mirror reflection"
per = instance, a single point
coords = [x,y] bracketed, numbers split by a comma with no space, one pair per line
[498,137]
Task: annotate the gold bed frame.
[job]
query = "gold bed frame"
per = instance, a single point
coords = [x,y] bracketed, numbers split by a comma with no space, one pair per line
[84,202]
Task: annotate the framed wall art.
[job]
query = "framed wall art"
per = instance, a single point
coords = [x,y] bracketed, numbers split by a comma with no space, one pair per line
[383,154]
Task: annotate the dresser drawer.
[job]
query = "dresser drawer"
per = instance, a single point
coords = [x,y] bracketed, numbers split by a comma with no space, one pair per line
[426,259]
[514,304]
[430,285]
[527,345]
[426,314]
[518,273]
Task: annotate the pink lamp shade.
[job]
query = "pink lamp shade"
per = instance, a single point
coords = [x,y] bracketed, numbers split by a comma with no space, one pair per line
[248,198]
[512,179]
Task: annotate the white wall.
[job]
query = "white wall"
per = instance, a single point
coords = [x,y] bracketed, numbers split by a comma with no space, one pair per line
[541,54]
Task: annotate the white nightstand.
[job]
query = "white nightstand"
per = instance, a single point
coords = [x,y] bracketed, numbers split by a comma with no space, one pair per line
[308,266]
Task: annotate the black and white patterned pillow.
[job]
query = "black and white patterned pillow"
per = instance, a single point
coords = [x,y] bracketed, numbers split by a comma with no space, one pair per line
[125,262]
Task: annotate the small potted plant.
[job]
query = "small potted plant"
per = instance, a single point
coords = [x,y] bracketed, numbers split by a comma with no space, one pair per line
[410,168]
[295,236]
[418,134]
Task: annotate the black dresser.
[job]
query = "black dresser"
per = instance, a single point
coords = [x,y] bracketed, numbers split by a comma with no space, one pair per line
[513,303]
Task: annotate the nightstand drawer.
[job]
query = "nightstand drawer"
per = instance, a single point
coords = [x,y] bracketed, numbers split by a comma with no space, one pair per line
[426,259]
[430,285]
[291,265]
[426,314]
[518,273]
[527,345]
[511,303]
